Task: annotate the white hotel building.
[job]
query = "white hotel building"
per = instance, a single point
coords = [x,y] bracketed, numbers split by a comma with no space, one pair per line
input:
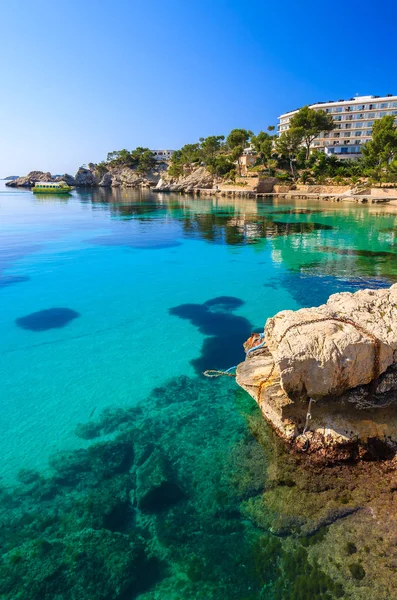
[353,119]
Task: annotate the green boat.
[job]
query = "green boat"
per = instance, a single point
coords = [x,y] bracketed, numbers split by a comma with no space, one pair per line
[49,187]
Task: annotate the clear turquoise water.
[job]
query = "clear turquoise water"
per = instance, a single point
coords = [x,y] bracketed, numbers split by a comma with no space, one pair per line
[120,300]
[122,261]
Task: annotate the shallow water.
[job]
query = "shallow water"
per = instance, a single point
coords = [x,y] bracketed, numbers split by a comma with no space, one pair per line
[107,296]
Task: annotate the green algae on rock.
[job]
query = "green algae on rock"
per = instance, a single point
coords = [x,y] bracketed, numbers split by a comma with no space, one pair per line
[250,520]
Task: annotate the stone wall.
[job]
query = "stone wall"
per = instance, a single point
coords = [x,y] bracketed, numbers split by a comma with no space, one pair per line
[382,192]
[280,188]
[322,189]
[266,185]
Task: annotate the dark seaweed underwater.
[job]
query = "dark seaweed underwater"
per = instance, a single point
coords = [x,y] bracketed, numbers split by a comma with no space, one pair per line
[188,493]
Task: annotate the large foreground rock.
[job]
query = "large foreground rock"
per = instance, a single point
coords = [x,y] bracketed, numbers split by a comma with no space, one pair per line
[329,371]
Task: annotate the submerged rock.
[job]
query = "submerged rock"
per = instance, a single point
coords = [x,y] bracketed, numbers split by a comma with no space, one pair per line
[330,371]
[155,488]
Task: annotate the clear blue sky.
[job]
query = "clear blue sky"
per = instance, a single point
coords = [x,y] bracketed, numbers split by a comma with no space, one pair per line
[79,79]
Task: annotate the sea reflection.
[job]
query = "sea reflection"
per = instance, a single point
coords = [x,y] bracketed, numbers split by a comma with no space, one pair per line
[322,238]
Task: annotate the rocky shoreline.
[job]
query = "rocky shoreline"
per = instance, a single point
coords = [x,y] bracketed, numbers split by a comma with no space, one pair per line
[93,177]
[201,183]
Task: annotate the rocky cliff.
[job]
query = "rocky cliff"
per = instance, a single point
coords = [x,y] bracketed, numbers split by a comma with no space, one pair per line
[127,177]
[326,377]
[199,178]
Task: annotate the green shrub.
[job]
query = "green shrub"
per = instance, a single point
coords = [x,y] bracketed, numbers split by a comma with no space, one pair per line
[350,548]
[357,571]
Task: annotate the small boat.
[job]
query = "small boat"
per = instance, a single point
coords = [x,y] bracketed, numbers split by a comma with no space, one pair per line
[51,187]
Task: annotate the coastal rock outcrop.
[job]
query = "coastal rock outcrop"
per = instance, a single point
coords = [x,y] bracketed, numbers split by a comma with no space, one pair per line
[129,177]
[329,370]
[30,179]
[85,178]
[68,179]
[200,178]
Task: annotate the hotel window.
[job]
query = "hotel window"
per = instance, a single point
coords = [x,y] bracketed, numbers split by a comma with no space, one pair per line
[336,135]
[338,118]
[384,105]
[368,132]
[358,133]
[348,126]
[346,134]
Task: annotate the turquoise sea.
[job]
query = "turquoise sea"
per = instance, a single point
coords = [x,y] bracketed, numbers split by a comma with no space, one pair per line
[112,304]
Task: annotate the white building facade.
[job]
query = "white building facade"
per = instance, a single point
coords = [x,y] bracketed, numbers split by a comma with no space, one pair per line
[353,120]
[163,154]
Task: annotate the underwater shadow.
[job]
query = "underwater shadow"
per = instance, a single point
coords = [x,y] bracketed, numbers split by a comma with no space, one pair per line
[226,332]
[50,318]
[313,290]
[11,279]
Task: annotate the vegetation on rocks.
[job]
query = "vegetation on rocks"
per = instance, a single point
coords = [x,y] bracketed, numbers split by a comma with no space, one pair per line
[140,159]
[289,156]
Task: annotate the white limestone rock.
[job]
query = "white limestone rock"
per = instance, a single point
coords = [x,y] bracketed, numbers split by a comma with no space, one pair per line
[330,357]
